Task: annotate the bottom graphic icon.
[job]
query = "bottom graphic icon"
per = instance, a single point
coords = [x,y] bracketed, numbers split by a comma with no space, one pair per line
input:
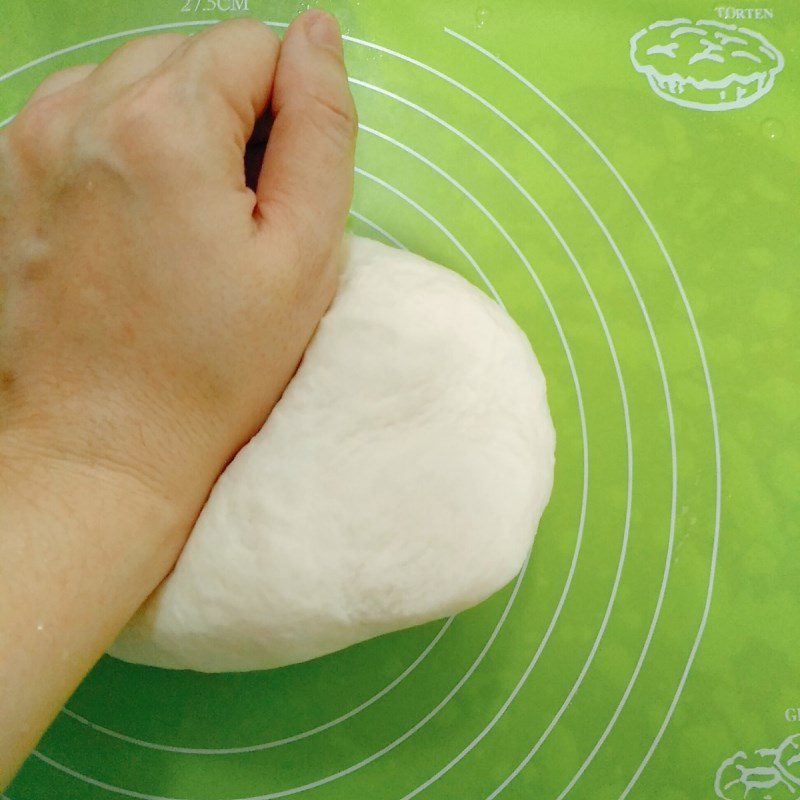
[766,774]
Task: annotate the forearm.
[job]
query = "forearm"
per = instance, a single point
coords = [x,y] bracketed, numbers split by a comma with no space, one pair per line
[155,304]
[82,547]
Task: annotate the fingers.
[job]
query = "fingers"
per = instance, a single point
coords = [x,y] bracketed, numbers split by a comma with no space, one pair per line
[61,80]
[160,92]
[306,181]
[231,67]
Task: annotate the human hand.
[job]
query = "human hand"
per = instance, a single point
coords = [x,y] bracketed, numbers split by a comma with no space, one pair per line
[154,307]
[152,310]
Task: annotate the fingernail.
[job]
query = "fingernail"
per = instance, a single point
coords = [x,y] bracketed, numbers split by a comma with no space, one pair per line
[323,30]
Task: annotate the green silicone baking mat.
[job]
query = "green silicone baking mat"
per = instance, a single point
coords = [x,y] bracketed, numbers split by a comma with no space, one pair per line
[624,177]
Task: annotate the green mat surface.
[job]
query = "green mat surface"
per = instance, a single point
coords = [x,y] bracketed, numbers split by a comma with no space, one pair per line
[651,648]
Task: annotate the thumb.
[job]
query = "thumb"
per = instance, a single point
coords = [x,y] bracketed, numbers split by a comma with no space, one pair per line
[306,182]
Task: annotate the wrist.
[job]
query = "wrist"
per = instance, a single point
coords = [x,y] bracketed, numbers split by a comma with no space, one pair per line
[117,446]
[74,482]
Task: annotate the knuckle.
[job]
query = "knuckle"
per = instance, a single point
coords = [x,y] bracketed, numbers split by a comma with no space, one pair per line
[250,27]
[37,131]
[168,40]
[172,39]
[210,56]
[55,79]
[144,46]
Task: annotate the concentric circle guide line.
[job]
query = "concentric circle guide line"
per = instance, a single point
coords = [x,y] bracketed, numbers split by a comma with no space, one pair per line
[670,546]
[312,731]
[609,609]
[203,751]
[625,540]
[108,38]
[628,509]
[377,228]
[267,745]
[303,734]
[625,408]
[431,218]
[127,792]
[673,448]
[287,740]
[462,189]
[706,375]
[273,796]
[498,298]
[104,37]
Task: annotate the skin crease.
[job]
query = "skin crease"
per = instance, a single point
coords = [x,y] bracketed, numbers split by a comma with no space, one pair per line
[143,289]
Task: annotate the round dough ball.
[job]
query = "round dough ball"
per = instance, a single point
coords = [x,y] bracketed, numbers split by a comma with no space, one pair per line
[400,479]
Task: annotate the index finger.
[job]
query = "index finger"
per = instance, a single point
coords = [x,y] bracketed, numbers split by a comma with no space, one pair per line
[230,68]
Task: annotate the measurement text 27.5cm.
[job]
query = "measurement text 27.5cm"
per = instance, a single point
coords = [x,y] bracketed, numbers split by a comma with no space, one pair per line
[209,6]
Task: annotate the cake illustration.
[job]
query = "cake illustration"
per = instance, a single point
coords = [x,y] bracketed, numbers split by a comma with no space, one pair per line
[706,65]
[771,773]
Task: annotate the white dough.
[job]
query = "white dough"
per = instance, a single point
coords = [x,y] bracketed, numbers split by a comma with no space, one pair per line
[400,479]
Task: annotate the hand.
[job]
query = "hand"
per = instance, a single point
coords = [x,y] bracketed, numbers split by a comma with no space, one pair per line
[152,309]
[155,306]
